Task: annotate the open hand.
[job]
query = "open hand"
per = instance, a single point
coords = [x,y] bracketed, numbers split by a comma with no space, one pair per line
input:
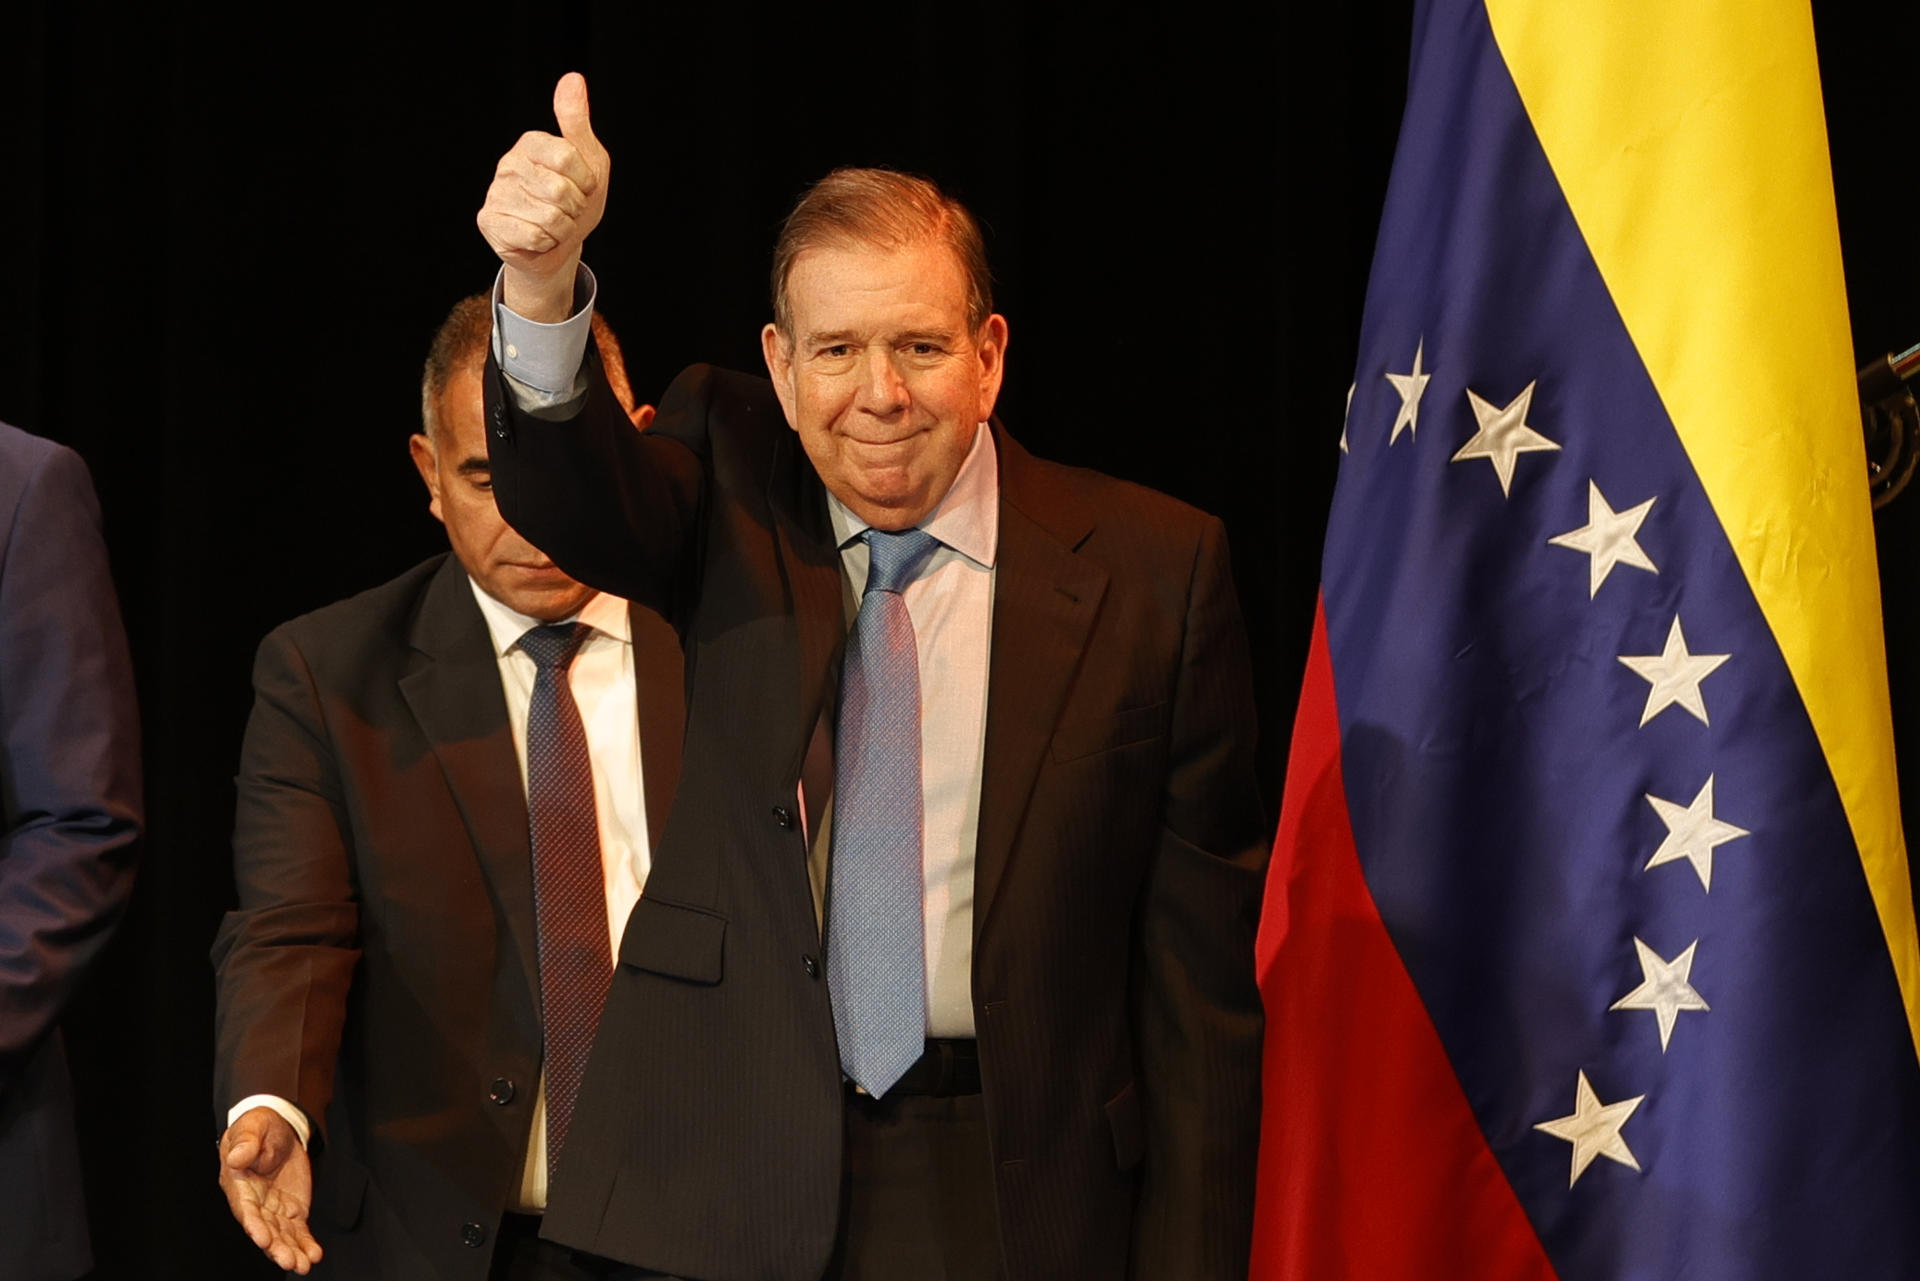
[269,1185]
[548,193]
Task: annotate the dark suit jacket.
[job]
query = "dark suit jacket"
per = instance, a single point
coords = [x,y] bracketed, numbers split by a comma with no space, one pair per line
[70,810]
[1118,865]
[380,970]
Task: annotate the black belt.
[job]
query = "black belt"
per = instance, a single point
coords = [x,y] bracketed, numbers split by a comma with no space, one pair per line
[948,1067]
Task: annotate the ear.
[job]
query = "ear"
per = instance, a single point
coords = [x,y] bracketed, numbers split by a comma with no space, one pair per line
[426,461]
[991,348]
[779,358]
[642,416]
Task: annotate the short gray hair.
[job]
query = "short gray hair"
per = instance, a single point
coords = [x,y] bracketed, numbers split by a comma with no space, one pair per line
[888,209]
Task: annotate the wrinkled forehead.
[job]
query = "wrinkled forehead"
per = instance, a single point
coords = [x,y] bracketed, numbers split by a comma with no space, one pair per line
[829,280]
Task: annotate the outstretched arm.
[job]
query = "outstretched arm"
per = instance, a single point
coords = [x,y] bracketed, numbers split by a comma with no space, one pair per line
[285,956]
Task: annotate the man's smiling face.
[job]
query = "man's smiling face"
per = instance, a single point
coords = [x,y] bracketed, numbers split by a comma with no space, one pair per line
[882,376]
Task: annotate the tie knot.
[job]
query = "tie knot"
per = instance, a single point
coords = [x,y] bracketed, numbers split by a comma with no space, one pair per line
[553,646]
[895,558]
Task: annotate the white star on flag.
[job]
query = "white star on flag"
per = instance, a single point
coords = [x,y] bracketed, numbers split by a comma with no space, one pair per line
[1503,435]
[1345,416]
[1594,1129]
[1674,675]
[1666,988]
[1608,538]
[1411,386]
[1692,833]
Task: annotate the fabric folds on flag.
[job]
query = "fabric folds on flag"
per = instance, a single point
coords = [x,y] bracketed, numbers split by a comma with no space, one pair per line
[1589,948]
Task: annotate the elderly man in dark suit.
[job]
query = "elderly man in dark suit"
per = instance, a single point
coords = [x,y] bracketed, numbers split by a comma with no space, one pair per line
[71,814]
[1007,705]
[448,796]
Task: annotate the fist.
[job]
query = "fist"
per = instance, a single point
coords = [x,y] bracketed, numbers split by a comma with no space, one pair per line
[548,193]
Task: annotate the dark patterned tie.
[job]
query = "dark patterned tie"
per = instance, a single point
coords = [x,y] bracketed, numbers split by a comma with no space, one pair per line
[569,886]
[876,950]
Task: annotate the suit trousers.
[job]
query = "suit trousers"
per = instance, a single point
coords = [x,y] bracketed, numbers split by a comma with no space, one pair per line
[916,1195]
[916,1202]
[520,1255]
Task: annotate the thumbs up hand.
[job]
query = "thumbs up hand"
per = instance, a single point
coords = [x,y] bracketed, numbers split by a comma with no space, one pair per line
[548,193]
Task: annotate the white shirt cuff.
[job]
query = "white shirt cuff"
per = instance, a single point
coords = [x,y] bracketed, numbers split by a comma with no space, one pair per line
[295,1117]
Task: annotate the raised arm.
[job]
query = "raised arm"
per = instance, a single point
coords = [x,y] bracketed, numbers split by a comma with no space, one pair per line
[614,507]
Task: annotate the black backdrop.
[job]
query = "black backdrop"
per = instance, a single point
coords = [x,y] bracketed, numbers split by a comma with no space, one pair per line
[224,245]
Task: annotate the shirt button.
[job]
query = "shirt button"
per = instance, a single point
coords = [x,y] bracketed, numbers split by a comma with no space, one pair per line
[783,816]
[501,1091]
[813,966]
[513,352]
[472,1234]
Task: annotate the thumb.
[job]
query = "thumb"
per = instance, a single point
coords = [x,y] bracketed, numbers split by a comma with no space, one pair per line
[570,111]
[242,1151]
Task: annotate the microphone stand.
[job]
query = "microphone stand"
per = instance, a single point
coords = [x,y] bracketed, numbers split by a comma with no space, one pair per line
[1890,415]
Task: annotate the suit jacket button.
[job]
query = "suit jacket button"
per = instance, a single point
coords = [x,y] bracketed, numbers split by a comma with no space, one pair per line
[473,1234]
[783,816]
[501,1091]
[813,966]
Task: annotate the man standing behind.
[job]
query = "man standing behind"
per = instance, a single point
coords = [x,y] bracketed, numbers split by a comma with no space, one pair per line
[443,823]
[1027,1043]
[70,819]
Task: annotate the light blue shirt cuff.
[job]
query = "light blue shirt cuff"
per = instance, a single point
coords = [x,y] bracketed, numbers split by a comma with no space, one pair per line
[542,362]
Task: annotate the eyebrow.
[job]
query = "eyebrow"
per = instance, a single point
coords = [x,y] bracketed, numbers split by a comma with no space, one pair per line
[472,466]
[838,336]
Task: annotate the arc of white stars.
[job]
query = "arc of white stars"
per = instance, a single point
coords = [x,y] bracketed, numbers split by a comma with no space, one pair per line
[1346,415]
[1692,833]
[1594,1129]
[1674,675]
[1503,435]
[1411,386]
[1666,988]
[1608,538]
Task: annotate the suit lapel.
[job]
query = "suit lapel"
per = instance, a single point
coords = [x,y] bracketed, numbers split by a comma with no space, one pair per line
[453,690]
[1045,598]
[660,692]
[812,566]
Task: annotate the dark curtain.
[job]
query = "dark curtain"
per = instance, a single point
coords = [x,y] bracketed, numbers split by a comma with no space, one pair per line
[225,242]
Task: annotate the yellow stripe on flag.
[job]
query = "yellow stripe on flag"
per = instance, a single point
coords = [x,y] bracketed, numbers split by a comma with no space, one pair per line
[1690,141]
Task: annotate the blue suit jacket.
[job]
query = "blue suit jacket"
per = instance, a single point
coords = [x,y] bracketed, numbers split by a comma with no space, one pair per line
[69,825]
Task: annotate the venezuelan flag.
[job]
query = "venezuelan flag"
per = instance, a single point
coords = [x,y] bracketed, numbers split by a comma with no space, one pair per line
[1589,950]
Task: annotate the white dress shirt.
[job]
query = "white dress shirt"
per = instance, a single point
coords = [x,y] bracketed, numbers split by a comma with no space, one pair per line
[602,681]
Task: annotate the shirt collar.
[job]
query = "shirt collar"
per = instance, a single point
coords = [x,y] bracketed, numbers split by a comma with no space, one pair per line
[967,519]
[605,614]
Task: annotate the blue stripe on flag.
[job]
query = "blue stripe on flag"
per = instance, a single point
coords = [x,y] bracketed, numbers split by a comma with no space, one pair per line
[1498,774]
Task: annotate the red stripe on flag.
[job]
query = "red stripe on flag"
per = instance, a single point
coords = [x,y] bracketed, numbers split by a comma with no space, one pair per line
[1371,1162]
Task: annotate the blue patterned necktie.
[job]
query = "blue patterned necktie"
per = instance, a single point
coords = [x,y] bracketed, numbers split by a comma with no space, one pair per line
[569,885]
[876,950]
